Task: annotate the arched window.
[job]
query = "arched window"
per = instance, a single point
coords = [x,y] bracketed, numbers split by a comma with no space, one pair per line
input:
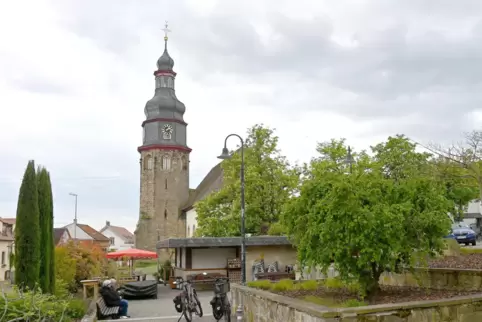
[148,163]
[184,163]
[166,162]
[165,213]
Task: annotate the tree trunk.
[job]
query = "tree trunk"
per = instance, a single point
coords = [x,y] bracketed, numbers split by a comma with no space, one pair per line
[370,281]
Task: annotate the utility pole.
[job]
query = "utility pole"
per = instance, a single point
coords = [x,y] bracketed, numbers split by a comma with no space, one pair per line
[75,216]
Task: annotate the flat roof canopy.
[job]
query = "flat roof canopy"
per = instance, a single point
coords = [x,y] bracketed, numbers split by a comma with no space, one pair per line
[473,215]
[222,242]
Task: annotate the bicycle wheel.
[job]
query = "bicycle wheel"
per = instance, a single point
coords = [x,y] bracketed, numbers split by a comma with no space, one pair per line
[186,310]
[227,310]
[198,307]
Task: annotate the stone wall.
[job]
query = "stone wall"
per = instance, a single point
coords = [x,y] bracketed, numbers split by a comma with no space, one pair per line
[437,278]
[163,192]
[91,314]
[263,306]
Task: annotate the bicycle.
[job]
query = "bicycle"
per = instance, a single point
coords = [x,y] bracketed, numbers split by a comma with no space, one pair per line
[187,301]
[220,302]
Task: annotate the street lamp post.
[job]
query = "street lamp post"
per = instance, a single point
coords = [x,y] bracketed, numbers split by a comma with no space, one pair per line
[75,215]
[349,159]
[225,155]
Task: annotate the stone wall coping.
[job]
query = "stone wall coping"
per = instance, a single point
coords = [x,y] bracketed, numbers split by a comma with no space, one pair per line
[300,305]
[325,312]
[447,270]
[91,314]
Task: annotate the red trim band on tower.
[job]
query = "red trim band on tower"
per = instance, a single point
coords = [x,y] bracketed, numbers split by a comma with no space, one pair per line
[163,147]
[161,119]
[161,72]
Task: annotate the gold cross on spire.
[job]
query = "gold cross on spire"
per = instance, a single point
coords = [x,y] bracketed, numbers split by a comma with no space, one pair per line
[166,30]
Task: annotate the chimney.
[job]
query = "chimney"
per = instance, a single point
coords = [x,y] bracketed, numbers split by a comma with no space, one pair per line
[107,223]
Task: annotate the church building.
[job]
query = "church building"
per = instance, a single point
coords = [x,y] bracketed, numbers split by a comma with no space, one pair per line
[165,196]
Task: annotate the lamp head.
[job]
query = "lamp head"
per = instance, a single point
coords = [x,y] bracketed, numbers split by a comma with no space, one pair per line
[349,157]
[225,154]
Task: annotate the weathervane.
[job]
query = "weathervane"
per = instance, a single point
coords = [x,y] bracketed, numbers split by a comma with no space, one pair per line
[166,30]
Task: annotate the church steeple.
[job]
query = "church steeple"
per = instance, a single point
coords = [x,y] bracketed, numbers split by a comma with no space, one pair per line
[164,162]
[164,126]
[165,62]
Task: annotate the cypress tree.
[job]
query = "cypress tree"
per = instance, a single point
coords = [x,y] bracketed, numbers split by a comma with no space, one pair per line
[51,238]
[27,231]
[45,224]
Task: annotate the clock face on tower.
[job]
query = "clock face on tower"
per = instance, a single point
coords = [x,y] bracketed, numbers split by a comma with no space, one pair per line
[167,131]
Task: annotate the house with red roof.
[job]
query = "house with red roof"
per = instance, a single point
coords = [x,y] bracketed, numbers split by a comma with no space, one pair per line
[7,227]
[86,235]
[120,238]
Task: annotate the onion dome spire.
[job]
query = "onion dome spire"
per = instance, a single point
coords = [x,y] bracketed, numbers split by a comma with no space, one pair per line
[165,62]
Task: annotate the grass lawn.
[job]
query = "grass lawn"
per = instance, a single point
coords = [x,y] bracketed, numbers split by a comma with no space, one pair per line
[146,266]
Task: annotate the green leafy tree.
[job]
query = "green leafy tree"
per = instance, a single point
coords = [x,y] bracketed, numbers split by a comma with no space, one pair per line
[47,262]
[462,163]
[370,220]
[461,188]
[269,183]
[27,231]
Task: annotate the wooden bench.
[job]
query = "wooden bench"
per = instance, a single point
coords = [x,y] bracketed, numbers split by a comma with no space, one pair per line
[205,282]
[103,311]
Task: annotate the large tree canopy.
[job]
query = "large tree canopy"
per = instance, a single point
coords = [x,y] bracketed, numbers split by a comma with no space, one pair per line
[270,182]
[370,219]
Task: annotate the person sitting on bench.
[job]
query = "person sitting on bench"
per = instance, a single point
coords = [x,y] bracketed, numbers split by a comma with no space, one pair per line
[112,298]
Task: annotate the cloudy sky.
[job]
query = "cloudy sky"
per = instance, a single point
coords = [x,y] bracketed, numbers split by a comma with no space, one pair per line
[75,76]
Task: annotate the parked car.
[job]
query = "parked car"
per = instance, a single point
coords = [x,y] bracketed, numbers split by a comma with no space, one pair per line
[463,234]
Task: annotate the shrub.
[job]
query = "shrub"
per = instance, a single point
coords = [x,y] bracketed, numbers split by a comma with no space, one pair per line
[466,251]
[337,283]
[76,308]
[76,262]
[333,283]
[37,306]
[61,289]
[261,284]
[65,269]
[452,247]
[309,285]
[283,285]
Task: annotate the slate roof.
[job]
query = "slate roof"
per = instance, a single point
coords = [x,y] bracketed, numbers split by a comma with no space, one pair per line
[58,232]
[93,233]
[211,182]
[222,242]
[120,231]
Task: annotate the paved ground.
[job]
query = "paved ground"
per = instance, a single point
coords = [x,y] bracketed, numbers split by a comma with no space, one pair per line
[162,309]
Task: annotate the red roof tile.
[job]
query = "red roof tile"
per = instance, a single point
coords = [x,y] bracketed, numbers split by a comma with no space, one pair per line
[93,233]
[121,231]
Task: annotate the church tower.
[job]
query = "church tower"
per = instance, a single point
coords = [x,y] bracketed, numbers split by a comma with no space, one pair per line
[164,161]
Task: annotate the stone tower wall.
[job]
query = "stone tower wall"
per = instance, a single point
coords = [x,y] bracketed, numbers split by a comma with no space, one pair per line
[163,193]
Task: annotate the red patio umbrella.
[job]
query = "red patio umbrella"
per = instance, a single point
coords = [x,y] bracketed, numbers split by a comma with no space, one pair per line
[132,253]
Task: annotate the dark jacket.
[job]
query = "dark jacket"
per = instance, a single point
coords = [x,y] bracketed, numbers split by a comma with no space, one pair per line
[110,296]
